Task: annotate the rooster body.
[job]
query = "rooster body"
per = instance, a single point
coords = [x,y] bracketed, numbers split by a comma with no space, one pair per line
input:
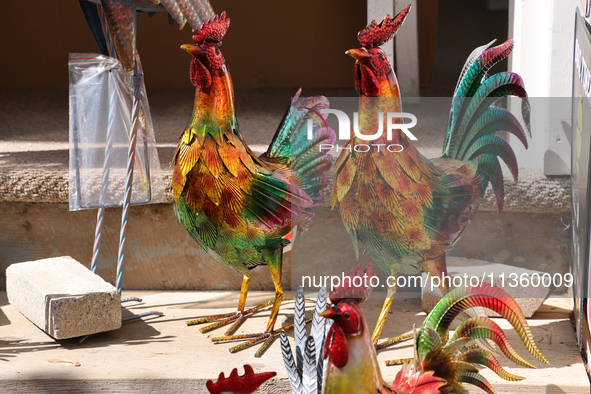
[238,207]
[352,359]
[406,210]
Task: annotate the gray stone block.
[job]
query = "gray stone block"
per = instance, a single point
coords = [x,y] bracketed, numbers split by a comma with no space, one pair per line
[528,297]
[63,298]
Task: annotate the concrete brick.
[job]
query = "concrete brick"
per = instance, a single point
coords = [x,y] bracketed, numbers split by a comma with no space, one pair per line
[529,298]
[63,298]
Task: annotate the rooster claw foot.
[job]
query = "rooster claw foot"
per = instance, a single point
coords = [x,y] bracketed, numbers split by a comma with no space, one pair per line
[400,361]
[226,318]
[268,337]
[393,341]
[253,339]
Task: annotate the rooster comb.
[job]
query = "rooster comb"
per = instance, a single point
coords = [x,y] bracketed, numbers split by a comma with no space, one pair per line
[213,30]
[376,34]
[354,286]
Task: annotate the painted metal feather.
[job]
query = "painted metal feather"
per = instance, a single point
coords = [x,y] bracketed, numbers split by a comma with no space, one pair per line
[452,359]
[306,371]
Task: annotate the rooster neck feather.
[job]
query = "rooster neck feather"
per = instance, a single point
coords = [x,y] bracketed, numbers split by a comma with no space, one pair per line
[214,105]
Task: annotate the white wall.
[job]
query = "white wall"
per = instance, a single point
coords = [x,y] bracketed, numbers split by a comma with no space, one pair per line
[543,31]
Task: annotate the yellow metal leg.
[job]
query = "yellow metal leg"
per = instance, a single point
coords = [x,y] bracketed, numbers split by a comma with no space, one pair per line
[385,310]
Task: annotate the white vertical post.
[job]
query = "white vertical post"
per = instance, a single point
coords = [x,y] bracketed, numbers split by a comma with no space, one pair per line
[407,53]
[543,31]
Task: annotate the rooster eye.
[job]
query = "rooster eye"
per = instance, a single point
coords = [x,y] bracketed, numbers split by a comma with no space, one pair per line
[347,315]
[381,56]
[217,51]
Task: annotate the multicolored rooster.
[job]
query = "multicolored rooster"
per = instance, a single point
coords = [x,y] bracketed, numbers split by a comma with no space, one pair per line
[406,210]
[440,365]
[239,207]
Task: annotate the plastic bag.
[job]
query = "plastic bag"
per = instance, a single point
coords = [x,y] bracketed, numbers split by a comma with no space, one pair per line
[101,97]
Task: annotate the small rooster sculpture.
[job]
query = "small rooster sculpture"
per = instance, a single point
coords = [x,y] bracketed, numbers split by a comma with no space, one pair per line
[440,365]
[352,359]
[238,207]
[406,210]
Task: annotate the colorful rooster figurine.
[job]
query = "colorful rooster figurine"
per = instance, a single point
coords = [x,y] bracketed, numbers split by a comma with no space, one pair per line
[406,210]
[239,207]
[440,365]
[352,358]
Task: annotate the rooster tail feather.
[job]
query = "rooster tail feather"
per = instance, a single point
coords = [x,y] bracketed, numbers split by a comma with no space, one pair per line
[295,379]
[492,120]
[488,296]
[480,327]
[309,371]
[477,380]
[487,359]
[473,120]
[471,59]
[299,319]
[292,147]
[306,371]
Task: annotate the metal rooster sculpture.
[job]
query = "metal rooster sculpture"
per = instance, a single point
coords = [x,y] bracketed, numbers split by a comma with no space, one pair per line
[406,210]
[121,20]
[440,365]
[238,207]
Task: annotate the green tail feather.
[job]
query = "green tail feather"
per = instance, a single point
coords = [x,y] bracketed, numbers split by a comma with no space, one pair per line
[481,327]
[473,120]
[477,380]
[490,171]
[290,145]
[484,295]
[485,358]
[493,120]
[451,359]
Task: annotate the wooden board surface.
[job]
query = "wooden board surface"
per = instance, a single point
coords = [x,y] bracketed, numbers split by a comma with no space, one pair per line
[163,355]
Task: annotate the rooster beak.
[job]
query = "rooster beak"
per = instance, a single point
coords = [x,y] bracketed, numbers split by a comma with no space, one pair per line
[358,54]
[194,50]
[329,313]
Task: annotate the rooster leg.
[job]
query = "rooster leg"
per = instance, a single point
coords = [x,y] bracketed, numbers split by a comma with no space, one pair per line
[437,267]
[384,314]
[382,320]
[273,258]
[239,316]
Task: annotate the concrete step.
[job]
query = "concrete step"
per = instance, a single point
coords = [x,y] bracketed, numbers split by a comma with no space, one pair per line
[34,143]
[164,355]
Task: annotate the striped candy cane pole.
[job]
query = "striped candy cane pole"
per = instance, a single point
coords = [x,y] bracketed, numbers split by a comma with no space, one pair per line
[106,163]
[137,81]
